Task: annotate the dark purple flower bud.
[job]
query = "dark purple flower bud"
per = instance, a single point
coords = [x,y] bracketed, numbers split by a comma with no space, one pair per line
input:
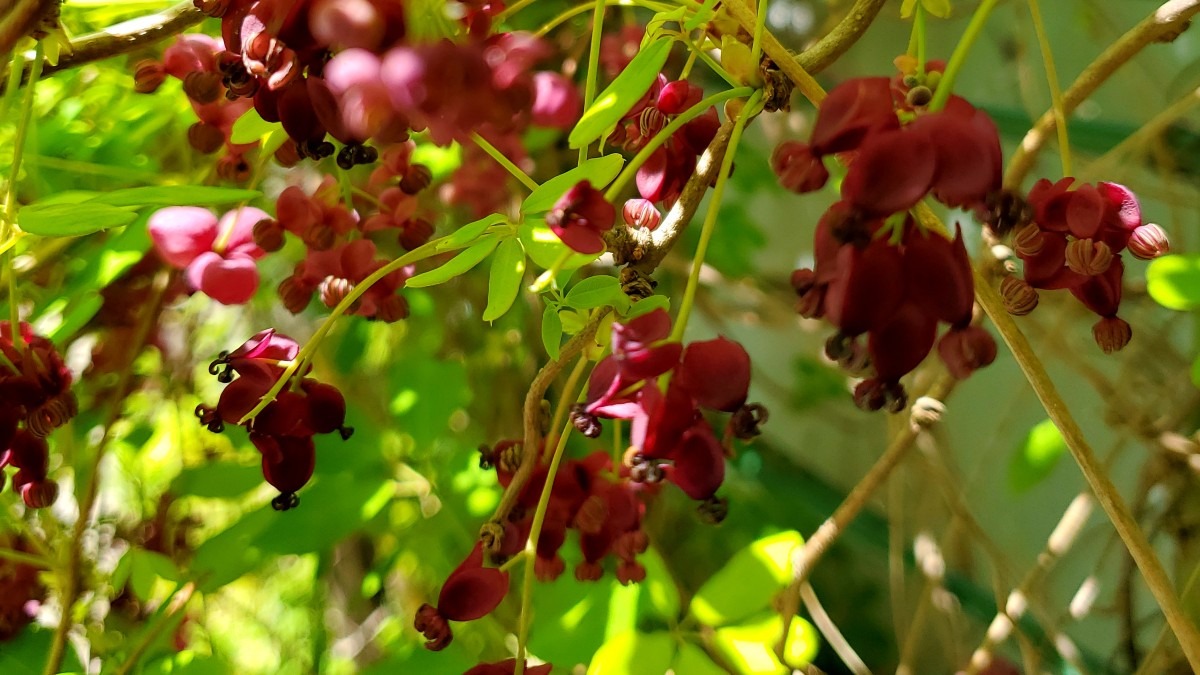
[1112,334]
[1019,297]
[1088,257]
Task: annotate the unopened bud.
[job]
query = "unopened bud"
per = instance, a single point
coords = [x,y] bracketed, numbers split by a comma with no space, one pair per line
[202,86]
[641,213]
[205,137]
[1148,242]
[1028,241]
[295,295]
[919,96]
[268,235]
[1019,297]
[391,309]
[333,290]
[416,231]
[417,178]
[1112,334]
[148,76]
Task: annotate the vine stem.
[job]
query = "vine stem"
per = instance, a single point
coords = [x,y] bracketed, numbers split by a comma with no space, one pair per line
[1093,471]
[71,577]
[503,161]
[1060,115]
[970,36]
[535,532]
[426,250]
[752,107]
[627,174]
[1162,25]
[593,66]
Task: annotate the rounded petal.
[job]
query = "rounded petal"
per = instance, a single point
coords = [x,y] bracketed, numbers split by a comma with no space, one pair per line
[181,233]
[892,172]
[229,281]
[470,594]
[716,373]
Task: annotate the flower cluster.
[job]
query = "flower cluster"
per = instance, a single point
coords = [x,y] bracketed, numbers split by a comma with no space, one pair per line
[217,255]
[662,177]
[283,431]
[877,271]
[35,399]
[1075,242]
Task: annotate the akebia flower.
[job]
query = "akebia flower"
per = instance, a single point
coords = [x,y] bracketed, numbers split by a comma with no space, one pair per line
[471,592]
[217,255]
[581,217]
[283,430]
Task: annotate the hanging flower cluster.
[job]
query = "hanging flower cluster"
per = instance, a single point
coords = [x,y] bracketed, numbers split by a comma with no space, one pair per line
[35,399]
[283,431]
[878,272]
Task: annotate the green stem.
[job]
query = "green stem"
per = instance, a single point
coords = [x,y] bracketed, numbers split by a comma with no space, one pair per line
[593,65]
[919,32]
[564,403]
[504,161]
[580,9]
[970,36]
[710,218]
[683,118]
[418,254]
[1056,98]
[26,559]
[535,531]
[10,199]
[712,64]
[512,9]
[760,23]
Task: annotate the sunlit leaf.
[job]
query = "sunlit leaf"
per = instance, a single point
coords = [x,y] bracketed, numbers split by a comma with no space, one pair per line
[73,220]
[634,652]
[458,265]
[1174,281]
[599,171]
[176,195]
[647,305]
[250,127]
[598,291]
[750,646]
[619,97]
[692,660]
[746,584]
[1036,457]
[508,268]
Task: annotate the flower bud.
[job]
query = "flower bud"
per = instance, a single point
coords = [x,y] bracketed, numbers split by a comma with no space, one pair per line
[320,237]
[1019,297]
[205,138]
[417,178]
[967,350]
[1112,334]
[391,309]
[202,87]
[919,96]
[1088,257]
[295,295]
[1028,241]
[799,170]
[641,213]
[333,290]
[1148,242]
[268,235]
[416,231]
[39,494]
[148,76]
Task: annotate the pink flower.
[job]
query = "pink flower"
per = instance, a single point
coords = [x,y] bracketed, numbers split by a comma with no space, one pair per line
[217,255]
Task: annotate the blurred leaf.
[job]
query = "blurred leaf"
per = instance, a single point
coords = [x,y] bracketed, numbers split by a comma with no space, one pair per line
[574,618]
[691,660]
[599,171]
[229,554]
[598,291]
[815,383]
[619,97]
[458,265]
[1037,456]
[26,651]
[147,567]
[746,584]
[659,586]
[217,480]
[251,127]
[504,282]
[552,331]
[175,195]
[938,8]
[750,647]
[72,220]
[634,652]
[701,16]
[802,643]
[467,233]
[1174,281]
[188,662]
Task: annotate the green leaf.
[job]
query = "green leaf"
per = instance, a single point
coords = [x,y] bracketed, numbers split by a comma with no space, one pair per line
[693,661]
[458,265]
[660,589]
[250,127]
[72,220]
[545,248]
[1174,281]
[1036,458]
[552,331]
[619,97]
[746,584]
[504,282]
[701,16]
[599,171]
[147,567]
[634,652]
[217,480]
[466,234]
[750,647]
[598,291]
[647,305]
[175,195]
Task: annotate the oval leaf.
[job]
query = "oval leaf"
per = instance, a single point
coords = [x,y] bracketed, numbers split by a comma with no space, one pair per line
[619,97]
[457,265]
[72,220]
[508,268]
[1037,456]
[746,584]
[552,332]
[466,234]
[597,291]
[633,652]
[1174,281]
[599,171]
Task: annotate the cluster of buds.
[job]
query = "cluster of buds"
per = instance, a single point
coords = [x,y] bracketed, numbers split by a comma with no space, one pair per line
[877,271]
[662,177]
[35,399]
[1075,242]
[283,431]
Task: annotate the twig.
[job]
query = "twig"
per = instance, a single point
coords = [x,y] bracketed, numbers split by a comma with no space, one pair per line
[1163,25]
[124,37]
[1102,486]
[493,531]
[830,630]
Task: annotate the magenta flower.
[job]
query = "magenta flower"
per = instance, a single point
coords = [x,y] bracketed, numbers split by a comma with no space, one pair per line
[217,255]
[581,217]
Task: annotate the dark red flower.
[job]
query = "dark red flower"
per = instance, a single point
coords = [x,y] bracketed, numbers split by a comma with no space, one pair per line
[581,217]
